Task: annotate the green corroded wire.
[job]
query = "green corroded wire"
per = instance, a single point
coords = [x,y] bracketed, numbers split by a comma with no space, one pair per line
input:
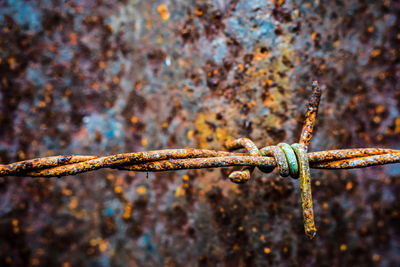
[291,159]
[285,158]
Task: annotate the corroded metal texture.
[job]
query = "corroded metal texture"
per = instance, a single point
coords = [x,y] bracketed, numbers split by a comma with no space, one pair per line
[243,175]
[190,158]
[305,189]
[312,111]
[105,77]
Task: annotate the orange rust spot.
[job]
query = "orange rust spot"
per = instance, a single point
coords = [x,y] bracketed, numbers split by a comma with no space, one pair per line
[380,109]
[144,142]
[397,125]
[314,35]
[376,257]
[109,27]
[198,12]
[103,245]
[72,38]
[141,190]
[118,190]
[11,60]
[115,79]
[251,104]
[163,11]
[134,119]
[179,192]
[95,86]
[12,63]
[66,192]
[375,52]
[190,134]
[127,212]
[376,119]
[35,261]
[73,203]
[349,185]
[51,48]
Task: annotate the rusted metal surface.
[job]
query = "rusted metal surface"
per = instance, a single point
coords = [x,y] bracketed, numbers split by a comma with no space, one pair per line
[312,111]
[178,159]
[305,190]
[100,78]
[72,165]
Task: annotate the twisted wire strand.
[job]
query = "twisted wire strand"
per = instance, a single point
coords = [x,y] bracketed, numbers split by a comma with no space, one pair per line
[177,159]
[71,165]
[244,174]
[291,160]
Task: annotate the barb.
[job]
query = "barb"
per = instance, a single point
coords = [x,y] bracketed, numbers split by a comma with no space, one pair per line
[293,161]
[312,111]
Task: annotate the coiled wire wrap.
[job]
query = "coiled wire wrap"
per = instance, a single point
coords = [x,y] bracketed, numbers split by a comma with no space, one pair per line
[290,160]
[284,156]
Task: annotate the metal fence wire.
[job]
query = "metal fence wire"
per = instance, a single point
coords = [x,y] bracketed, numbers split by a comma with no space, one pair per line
[291,160]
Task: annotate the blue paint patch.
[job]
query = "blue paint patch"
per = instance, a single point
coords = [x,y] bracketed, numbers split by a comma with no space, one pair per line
[393,170]
[66,53]
[145,240]
[109,212]
[35,76]
[116,66]
[25,13]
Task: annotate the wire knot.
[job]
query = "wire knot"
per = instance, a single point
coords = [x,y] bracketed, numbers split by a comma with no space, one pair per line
[287,158]
[292,161]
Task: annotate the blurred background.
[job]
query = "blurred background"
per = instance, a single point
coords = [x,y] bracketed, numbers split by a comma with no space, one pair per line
[104,77]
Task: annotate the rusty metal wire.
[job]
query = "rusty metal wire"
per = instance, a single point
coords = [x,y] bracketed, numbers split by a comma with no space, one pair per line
[290,160]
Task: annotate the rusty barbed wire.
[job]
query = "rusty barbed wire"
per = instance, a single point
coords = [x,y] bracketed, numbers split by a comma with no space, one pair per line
[291,160]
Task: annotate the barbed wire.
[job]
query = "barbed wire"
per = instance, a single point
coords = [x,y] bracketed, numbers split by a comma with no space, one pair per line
[291,160]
